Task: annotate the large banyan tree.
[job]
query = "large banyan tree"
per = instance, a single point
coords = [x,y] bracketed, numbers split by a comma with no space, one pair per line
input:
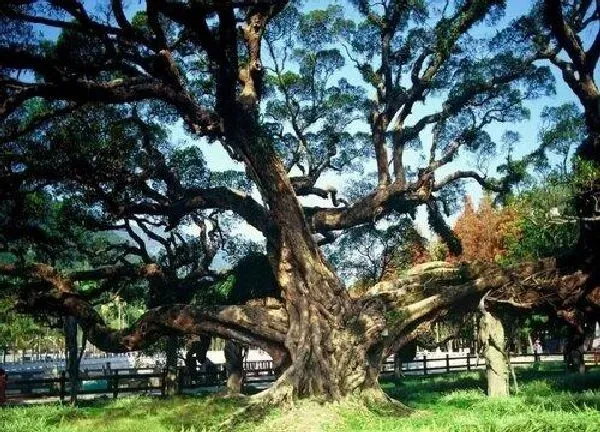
[84,96]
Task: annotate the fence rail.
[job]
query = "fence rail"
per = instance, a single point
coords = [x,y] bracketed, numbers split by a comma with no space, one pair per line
[113,383]
[148,380]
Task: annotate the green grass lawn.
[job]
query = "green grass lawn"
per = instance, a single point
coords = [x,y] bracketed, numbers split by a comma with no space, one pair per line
[548,401]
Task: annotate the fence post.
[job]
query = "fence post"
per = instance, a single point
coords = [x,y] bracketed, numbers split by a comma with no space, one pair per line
[469,362]
[447,362]
[61,386]
[424,364]
[115,384]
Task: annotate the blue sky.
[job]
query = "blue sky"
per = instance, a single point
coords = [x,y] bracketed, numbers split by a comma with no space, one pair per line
[528,129]
[218,159]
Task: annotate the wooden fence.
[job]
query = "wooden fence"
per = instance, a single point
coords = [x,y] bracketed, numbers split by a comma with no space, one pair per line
[90,383]
[467,362]
[258,373]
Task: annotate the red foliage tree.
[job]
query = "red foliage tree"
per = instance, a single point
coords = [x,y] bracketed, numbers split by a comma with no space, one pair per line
[484,231]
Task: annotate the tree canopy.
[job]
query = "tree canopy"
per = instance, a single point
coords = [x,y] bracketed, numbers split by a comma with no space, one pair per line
[90,99]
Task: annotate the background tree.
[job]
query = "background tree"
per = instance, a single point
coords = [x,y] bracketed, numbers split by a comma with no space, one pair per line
[370,253]
[562,33]
[485,232]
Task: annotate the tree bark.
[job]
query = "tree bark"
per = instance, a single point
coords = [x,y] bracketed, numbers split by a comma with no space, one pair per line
[587,201]
[491,337]
[71,357]
[171,352]
[574,350]
[234,365]
[172,383]
[196,355]
[328,354]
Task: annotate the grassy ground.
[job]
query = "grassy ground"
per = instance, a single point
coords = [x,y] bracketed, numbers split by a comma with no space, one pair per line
[548,401]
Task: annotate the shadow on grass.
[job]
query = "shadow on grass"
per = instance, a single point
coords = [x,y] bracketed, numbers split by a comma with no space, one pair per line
[549,387]
[428,390]
[560,380]
[546,392]
[181,413]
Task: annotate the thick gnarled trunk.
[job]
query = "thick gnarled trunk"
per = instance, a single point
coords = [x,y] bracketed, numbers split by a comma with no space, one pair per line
[234,365]
[329,337]
[71,357]
[574,351]
[327,340]
[491,338]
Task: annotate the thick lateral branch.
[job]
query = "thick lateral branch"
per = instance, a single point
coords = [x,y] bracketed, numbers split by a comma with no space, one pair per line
[253,324]
[117,91]
[117,271]
[372,207]
[553,14]
[11,135]
[433,288]
[260,322]
[386,199]
[198,199]
[420,296]
[487,184]
[64,283]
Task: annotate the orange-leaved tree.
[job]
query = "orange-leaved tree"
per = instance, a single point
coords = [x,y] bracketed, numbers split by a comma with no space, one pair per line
[486,231]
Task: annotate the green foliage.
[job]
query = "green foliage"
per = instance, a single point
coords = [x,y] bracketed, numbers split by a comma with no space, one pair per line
[17,332]
[586,175]
[251,278]
[80,51]
[232,179]
[394,317]
[307,109]
[140,21]
[438,250]
[369,252]
[564,130]
[121,314]
[190,166]
[546,223]
[224,289]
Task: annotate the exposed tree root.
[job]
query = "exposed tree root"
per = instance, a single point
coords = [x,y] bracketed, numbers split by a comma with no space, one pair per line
[281,395]
[376,400]
[252,411]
